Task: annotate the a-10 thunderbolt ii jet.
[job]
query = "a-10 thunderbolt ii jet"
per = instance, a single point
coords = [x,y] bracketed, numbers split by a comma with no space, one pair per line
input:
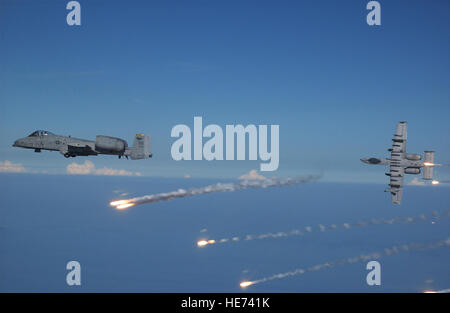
[402,163]
[72,147]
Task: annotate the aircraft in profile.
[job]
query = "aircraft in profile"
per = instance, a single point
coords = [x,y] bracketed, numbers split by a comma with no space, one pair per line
[402,163]
[72,147]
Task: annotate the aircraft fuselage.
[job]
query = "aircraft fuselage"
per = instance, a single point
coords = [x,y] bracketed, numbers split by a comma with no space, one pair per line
[403,162]
[71,147]
[52,143]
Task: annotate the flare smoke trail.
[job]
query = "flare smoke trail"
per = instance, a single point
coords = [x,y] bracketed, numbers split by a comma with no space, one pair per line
[438,291]
[443,291]
[219,187]
[360,258]
[434,215]
[437,182]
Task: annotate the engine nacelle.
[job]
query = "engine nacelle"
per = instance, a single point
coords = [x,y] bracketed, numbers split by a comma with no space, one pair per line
[413,157]
[106,144]
[412,170]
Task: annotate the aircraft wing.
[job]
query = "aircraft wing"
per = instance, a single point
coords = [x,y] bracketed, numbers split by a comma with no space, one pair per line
[396,171]
[396,183]
[399,140]
[396,196]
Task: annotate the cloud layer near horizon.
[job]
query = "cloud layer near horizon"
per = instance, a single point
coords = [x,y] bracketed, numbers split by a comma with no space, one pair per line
[9,167]
[88,168]
[416,182]
[252,175]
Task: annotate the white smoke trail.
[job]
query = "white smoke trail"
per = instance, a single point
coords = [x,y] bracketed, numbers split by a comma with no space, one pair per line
[434,215]
[437,291]
[219,187]
[359,258]
[437,182]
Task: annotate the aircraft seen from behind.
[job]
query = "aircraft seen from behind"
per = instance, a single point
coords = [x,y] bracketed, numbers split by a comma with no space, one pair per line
[72,147]
[402,163]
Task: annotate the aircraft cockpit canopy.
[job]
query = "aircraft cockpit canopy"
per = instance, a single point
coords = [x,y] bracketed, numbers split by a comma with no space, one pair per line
[40,133]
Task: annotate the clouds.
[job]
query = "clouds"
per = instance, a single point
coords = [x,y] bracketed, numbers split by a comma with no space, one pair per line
[252,175]
[88,168]
[416,182]
[9,167]
[80,169]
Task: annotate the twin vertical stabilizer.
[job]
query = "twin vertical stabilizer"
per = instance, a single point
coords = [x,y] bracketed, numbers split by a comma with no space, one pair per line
[428,163]
[141,148]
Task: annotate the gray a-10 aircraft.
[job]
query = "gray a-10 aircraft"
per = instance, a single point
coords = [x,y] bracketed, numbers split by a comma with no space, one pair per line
[72,147]
[402,163]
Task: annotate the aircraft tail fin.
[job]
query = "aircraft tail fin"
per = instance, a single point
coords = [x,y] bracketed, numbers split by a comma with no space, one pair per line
[428,165]
[142,148]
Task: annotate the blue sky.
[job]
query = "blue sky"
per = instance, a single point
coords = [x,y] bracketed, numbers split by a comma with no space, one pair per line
[335,86]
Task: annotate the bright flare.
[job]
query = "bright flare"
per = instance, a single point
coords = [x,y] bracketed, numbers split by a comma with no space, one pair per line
[219,187]
[245,284]
[435,182]
[428,164]
[124,206]
[119,202]
[202,243]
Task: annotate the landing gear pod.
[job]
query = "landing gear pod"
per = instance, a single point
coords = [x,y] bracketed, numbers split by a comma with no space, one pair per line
[428,164]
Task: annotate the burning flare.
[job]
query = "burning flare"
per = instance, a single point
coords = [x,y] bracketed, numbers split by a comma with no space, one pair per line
[124,206]
[434,215]
[119,202]
[202,243]
[435,182]
[219,187]
[245,284]
[428,164]
[437,291]
[414,246]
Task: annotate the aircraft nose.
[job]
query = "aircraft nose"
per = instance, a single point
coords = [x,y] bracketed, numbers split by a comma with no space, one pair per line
[365,160]
[15,143]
